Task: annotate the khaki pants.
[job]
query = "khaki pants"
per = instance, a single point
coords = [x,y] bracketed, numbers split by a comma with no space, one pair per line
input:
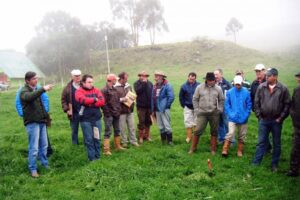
[189,117]
[242,131]
[127,120]
[202,121]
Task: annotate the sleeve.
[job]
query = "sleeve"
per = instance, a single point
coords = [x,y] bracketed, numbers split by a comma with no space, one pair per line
[45,101]
[101,99]
[82,99]
[221,101]
[64,101]
[227,105]
[19,104]
[170,96]
[139,87]
[196,98]
[248,104]
[286,105]
[181,97]
[257,104]
[30,96]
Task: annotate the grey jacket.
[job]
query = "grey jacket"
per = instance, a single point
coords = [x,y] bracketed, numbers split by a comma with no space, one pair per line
[272,106]
[208,100]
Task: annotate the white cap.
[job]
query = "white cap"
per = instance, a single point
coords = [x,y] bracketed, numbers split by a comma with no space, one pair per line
[238,80]
[259,67]
[76,72]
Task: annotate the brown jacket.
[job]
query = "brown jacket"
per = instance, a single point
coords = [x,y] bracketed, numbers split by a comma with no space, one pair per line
[122,91]
[66,99]
[112,105]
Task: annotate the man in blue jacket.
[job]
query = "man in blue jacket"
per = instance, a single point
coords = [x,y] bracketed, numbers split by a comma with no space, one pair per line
[237,108]
[163,97]
[186,101]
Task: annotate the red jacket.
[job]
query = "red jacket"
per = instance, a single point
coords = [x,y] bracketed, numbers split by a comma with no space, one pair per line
[90,100]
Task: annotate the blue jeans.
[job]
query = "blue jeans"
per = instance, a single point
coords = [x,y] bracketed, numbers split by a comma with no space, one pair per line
[37,145]
[265,127]
[92,136]
[74,123]
[223,127]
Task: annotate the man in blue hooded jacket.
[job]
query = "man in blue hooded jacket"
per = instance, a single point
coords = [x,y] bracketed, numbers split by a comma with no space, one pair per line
[163,97]
[237,108]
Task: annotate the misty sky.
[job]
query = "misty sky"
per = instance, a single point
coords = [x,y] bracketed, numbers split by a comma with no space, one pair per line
[267,23]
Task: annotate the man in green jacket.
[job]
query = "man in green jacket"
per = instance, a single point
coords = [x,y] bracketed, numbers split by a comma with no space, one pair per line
[35,118]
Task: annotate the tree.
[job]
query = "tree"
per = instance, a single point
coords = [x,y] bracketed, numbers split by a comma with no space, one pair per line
[127,10]
[153,20]
[233,27]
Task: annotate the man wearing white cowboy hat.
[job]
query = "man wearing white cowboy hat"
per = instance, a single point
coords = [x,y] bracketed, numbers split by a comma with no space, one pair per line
[143,88]
[163,97]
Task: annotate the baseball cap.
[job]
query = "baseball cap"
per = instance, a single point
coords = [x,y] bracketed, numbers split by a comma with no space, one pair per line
[238,80]
[272,71]
[76,72]
[259,67]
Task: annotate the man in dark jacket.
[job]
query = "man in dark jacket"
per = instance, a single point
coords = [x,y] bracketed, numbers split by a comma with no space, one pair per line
[143,88]
[112,112]
[225,86]
[186,101]
[295,114]
[272,103]
[70,106]
[90,100]
[35,118]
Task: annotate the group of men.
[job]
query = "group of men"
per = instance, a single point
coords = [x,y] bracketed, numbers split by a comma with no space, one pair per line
[226,107]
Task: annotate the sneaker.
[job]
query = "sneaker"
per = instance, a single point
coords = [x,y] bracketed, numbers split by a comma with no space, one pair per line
[34,175]
[274,169]
[135,144]
[125,145]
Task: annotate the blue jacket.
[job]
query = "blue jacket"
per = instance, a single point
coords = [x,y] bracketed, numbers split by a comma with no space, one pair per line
[238,105]
[164,99]
[225,85]
[186,94]
[44,98]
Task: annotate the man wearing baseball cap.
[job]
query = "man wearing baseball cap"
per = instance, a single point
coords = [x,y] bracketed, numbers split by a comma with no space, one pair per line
[272,103]
[238,109]
[295,115]
[70,106]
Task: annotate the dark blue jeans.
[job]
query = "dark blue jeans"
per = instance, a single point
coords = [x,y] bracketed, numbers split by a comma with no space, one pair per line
[74,123]
[265,127]
[92,135]
[223,127]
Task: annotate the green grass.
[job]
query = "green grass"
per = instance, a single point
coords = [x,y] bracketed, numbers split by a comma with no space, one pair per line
[152,171]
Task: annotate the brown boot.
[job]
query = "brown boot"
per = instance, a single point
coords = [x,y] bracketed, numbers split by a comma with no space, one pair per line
[240,148]
[141,135]
[225,148]
[213,144]
[118,146]
[106,147]
[195,141]
[147,134]
[188,135]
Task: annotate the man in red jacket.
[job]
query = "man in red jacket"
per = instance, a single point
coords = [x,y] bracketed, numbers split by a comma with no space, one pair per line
[90,100]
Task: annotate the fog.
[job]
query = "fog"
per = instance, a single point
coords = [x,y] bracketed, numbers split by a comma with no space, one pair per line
[269,25]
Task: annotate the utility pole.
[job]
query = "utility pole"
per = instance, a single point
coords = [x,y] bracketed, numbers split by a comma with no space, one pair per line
[107,56]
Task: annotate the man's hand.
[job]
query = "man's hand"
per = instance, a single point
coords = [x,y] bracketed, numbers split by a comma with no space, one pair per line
[124,99]
[69,113]
[48,87]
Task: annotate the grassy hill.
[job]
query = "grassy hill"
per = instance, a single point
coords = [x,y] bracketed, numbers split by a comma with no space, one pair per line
[151,171]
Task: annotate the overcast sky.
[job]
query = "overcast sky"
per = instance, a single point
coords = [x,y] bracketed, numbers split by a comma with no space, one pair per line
[267,23]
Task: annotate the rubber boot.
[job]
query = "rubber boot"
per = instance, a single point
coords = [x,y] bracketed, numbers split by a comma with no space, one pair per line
[141,135]
[147,133]
[170,138]
[240,149]
[213,144]
[106,147]
[189,135]
[163,137]
[118,146]
[225,148]
[195,141]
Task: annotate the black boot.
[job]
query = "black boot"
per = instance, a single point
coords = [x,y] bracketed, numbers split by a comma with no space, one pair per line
[163,137]
[170,138]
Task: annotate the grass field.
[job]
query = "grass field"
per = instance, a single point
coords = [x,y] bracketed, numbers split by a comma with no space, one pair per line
[152,171]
